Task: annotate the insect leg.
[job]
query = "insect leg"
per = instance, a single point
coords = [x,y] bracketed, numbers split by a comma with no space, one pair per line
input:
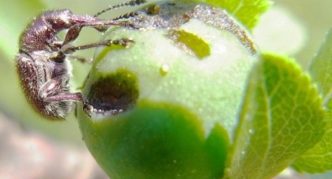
[51,86]
[123,42]
[64,97]
[55,85]
[100,25]
[80,59]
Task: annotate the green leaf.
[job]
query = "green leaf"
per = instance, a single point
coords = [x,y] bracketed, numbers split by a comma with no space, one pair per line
[281,118]
[246,11]
[321,68]
[14,16]
[319,158]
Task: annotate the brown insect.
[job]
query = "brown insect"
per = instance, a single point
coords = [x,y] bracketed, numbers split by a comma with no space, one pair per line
[42,61]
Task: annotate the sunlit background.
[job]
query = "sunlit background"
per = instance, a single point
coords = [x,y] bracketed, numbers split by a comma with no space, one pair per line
[292,27]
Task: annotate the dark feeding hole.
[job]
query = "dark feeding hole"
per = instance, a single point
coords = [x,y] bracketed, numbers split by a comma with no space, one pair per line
[114,93]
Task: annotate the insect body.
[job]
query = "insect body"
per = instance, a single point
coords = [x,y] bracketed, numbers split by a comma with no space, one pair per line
[42,61]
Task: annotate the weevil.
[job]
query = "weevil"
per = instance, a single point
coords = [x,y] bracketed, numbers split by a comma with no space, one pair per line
[42,60]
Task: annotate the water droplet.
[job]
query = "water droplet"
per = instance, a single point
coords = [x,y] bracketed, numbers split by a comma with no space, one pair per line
[251,131]
[174,161]
[164,69]
[243,152]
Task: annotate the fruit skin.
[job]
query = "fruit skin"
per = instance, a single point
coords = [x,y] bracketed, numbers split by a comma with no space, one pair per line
[155,140]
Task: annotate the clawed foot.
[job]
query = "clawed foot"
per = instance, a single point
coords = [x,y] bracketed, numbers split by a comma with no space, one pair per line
[123,42]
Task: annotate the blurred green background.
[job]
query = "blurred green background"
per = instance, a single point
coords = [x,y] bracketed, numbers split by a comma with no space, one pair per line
[292,27]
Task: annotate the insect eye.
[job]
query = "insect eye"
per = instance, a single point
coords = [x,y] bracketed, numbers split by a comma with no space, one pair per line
[58,23]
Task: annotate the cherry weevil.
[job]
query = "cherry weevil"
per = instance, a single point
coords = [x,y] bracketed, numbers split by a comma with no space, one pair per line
[42,60]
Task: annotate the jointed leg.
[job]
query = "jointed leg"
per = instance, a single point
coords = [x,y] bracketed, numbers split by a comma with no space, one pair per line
[50,87]
[100,25]
[123,42]
[65,97]
[51,91]
[103,25]
[80,59]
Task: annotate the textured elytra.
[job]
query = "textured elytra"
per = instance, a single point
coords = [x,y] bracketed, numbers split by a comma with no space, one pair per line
[34,75]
